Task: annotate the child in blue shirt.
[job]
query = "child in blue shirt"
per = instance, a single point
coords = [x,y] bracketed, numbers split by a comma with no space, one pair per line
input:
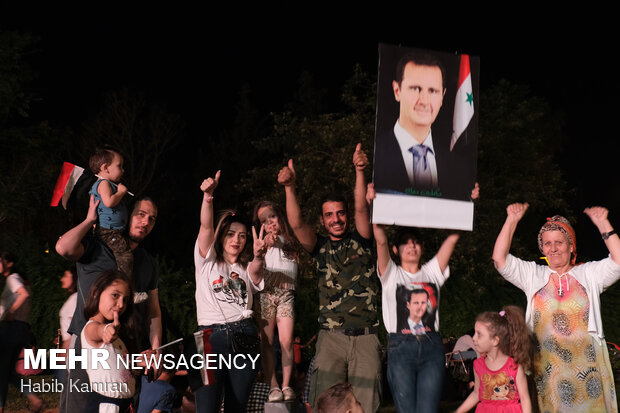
[107,164]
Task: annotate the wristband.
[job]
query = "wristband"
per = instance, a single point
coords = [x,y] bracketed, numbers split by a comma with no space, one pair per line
[106,326]
[209,198]
[606,235]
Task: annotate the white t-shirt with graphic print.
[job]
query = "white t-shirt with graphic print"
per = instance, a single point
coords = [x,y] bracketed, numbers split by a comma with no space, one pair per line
[429,278]
[223,291]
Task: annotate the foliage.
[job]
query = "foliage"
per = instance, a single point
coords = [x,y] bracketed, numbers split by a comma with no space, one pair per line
[516,129]
[28,173]
[143,132]
[30,151]
[322,146]
[519,138]
[614,359]
[609,312]
[42,270]
[15,73]
[176,297]
[29,167]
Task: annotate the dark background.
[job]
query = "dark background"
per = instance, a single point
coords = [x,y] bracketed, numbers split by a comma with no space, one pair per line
[195,60]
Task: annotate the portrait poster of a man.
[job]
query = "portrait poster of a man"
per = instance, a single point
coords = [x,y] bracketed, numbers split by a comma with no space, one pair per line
[426,138]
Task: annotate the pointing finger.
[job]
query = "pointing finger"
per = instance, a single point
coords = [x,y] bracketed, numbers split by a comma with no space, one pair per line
[254,233]
[116,322]
[262,231]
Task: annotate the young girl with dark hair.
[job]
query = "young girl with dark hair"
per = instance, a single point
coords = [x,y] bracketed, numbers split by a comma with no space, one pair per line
[108,307]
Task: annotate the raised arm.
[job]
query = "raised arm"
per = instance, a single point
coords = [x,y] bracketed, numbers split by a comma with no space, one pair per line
[446,250]
[207,233]
[303,231]
[69,245]
[598,215]
[504,239]
[257,265]
[383,249]
[362,215]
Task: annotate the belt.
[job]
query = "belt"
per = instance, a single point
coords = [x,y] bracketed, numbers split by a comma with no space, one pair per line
[218,327]
[352,331]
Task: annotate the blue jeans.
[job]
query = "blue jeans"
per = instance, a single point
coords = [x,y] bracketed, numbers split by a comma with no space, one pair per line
[415,371]
[232,385]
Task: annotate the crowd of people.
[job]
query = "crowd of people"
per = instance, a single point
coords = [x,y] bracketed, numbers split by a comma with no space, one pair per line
[246,276]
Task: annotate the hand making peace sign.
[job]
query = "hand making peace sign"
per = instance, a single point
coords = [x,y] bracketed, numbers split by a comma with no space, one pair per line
[260,246]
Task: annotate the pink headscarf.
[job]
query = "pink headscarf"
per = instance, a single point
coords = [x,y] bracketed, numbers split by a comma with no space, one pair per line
[559,223]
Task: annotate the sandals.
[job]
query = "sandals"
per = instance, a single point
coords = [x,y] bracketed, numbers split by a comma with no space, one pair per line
[275,395]
[289,394]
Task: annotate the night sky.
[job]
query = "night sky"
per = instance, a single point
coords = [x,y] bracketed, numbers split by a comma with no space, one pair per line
[194,60]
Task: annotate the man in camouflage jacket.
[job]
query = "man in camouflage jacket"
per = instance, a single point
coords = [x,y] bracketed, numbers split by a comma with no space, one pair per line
[347,348]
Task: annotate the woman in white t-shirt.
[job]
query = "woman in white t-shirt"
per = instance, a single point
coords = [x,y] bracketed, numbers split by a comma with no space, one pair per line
[410,306]
[14,328]
[225,283]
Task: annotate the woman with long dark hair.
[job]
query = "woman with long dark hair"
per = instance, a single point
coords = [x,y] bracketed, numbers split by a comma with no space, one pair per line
[226,279]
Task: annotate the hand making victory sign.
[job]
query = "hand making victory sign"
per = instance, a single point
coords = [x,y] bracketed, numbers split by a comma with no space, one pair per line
[260,245]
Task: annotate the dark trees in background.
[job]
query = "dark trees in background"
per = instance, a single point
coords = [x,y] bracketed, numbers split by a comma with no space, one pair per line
[519,139]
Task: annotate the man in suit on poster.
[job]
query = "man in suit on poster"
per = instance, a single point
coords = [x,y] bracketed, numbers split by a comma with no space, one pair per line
[410,159]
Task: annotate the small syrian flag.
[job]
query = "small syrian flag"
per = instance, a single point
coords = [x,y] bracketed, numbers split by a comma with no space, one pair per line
[464,102]
[203,347]
[69,176]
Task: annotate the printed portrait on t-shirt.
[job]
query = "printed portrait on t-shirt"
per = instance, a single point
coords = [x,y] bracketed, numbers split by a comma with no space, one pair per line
[231,289]
[498,386]
[416,308]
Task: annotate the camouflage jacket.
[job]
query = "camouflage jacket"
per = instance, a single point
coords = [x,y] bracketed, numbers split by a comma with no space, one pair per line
[347,283]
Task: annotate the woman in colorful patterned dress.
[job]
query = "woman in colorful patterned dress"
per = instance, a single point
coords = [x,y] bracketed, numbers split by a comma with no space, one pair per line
[571,365]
